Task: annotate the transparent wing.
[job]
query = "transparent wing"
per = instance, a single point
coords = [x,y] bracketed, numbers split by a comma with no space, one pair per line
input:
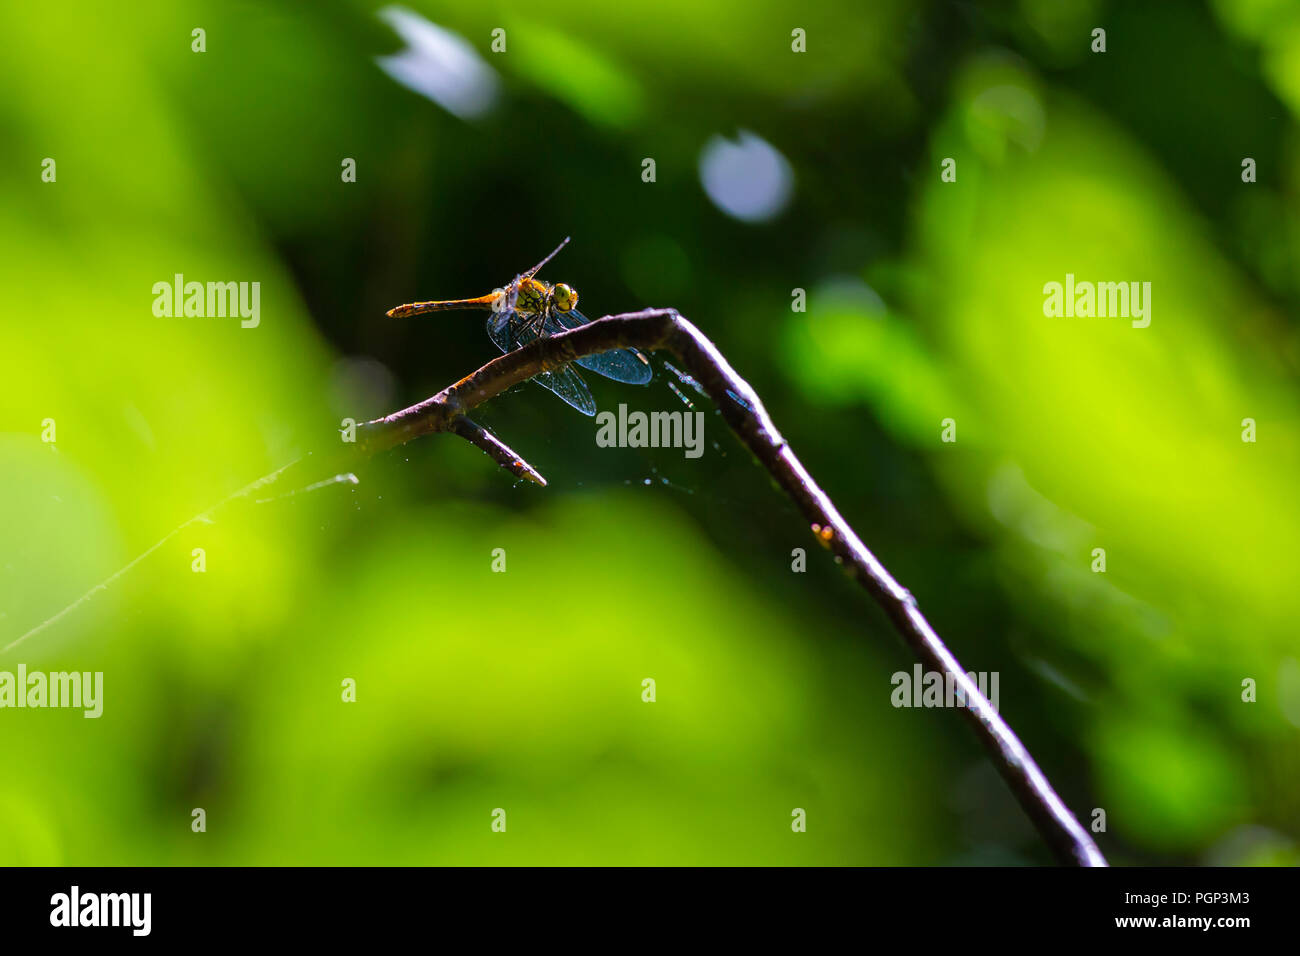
[622,365]
[509,330]
[567,384]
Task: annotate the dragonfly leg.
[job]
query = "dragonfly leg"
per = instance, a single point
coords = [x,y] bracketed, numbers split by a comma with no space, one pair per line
[532,327]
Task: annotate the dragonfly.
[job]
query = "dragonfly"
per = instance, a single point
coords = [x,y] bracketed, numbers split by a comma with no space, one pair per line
[528,309]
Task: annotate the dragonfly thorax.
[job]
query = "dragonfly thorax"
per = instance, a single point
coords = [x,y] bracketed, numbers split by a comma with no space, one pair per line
[532,296]
[535,296]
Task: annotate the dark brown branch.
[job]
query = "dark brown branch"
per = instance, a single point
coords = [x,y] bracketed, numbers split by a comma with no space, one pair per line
[655,329]
[665,329]
[497,450]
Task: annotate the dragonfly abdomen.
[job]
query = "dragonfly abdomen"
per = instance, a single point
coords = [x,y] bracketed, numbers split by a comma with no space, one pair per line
[444,305]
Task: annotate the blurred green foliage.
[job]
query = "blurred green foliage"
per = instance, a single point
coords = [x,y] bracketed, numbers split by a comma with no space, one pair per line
[522,690]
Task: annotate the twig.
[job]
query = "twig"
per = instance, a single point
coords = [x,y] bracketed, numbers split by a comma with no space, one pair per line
[665,329]
[498,450]
[654,329]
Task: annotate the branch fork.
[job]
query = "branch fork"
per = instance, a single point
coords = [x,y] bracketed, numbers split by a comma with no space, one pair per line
[665,329]
[741,408]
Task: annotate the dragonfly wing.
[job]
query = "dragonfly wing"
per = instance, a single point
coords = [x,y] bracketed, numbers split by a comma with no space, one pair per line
[568,384]
[509,330]
[622,365]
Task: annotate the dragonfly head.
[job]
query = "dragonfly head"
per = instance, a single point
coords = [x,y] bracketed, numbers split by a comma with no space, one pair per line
[565,297]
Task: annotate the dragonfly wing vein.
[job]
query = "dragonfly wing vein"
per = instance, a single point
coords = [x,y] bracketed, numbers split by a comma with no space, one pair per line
[510,330]
[622,365]
[567,384]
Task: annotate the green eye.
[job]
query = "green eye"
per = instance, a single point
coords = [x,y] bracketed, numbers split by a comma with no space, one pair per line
[566,297]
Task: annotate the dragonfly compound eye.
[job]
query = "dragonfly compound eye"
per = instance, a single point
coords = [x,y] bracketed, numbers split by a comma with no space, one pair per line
[566,297]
